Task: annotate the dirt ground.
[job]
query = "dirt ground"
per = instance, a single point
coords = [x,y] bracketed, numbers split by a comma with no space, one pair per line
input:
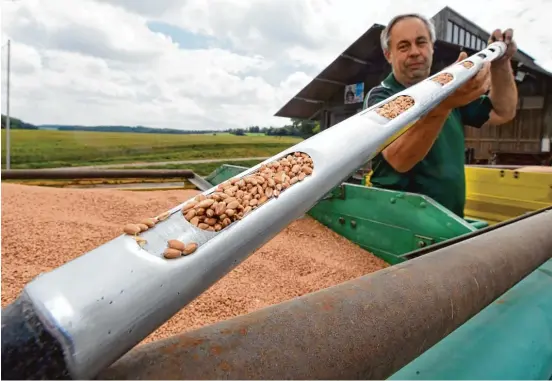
[42,228]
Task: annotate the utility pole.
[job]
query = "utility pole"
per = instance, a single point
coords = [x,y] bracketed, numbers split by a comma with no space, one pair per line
[8,113]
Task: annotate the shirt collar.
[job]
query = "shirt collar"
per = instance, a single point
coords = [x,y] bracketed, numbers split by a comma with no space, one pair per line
[391,83]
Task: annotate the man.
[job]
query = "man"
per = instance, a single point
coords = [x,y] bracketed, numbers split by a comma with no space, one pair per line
[429,158]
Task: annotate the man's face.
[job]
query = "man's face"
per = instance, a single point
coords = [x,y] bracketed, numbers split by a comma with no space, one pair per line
[410,51]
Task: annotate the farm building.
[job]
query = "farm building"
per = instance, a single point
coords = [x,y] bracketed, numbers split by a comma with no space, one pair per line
[338,91]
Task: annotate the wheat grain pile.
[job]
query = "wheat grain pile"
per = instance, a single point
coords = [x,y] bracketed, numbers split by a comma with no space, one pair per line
[42,228]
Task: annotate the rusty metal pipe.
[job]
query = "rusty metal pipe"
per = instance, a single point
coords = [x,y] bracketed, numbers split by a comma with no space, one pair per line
[32,174]
[366,328]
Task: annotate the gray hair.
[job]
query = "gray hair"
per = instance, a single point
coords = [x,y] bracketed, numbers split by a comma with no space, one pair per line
[385,34]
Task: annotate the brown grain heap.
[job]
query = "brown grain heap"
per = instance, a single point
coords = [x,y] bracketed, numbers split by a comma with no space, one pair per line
[43,228]
[467,64]
[397,106]
[443,78]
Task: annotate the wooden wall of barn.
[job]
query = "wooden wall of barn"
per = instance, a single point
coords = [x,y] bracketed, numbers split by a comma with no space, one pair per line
[525,132]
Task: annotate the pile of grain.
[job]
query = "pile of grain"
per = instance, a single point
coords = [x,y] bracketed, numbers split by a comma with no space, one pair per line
[42,228]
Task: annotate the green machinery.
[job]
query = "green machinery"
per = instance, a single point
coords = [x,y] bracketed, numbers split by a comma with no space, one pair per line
[509,339]
[386,223]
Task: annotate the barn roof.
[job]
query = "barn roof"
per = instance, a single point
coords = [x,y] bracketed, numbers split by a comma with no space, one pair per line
[362,56]
[347,65]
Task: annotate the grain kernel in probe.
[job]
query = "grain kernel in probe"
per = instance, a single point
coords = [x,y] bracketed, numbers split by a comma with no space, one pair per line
[170,253]
[143,227]
[149,222]
[132,229]
[190,248]
[162,217]
[176,244]
[176,249]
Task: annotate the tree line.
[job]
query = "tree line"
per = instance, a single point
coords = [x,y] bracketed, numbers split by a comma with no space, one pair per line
[298,127]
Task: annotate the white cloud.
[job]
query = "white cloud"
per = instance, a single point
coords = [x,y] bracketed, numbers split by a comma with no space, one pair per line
[97,61]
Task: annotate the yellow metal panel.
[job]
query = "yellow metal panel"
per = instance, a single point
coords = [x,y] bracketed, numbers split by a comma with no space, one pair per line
[535,169]
[495,195]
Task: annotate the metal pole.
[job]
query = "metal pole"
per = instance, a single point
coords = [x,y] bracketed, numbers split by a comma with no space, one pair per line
[27,174]
[121,292]
[366,328]
[8,158]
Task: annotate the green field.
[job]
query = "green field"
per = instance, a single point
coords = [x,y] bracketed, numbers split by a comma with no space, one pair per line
[49,149]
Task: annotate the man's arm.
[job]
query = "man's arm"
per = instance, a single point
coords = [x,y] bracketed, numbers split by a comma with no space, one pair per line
[504,94]
[412,146]
[499,107]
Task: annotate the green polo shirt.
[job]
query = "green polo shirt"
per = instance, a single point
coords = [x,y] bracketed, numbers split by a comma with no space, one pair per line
[440,175]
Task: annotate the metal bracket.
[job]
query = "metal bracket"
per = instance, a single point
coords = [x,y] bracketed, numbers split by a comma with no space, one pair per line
[200,183]
[341,192]
[422,241]
[337,193]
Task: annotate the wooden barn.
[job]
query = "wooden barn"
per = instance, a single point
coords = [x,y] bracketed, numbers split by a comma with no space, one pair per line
[338,91]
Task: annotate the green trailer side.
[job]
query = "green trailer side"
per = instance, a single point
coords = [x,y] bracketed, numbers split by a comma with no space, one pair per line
[386,223]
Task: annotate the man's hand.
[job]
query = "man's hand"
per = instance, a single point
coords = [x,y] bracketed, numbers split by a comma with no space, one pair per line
[471,90]
[508,38]
[503,94]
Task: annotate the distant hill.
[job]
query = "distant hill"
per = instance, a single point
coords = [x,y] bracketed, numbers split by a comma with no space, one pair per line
[132,129]
[18,124]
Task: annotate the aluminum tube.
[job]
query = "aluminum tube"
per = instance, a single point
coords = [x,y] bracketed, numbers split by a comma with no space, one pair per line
[105,302]
[366,328]
[29,174]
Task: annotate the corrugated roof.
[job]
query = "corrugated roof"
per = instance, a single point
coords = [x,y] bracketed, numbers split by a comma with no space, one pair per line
[364,54]
[357,57]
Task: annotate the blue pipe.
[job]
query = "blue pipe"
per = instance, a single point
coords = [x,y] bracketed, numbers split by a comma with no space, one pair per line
[511,339]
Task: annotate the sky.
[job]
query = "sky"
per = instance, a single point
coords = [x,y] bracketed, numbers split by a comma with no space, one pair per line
[202,64]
